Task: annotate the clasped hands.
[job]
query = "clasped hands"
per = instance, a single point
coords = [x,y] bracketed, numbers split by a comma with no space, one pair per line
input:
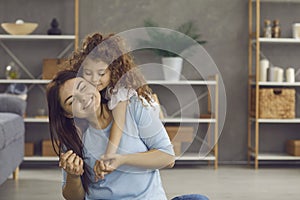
[73,164]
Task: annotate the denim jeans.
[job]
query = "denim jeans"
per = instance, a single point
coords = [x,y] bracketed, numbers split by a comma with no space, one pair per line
[191,197]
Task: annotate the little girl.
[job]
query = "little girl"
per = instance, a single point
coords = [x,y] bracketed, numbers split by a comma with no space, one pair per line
[102,62]
[97,73]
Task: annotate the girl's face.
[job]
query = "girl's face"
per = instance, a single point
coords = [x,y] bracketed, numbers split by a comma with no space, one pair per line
[79,98]
[97,73]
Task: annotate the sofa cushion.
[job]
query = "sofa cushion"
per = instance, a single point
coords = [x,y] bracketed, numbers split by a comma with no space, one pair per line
[11,128]
[12,103]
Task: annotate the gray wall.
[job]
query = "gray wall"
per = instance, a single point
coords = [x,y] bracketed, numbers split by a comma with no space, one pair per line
[222,23]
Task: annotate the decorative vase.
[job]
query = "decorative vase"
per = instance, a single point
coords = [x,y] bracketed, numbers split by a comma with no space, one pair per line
[12,71]
[172,67]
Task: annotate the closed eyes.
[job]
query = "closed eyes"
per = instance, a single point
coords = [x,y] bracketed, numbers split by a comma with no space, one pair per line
[82,88]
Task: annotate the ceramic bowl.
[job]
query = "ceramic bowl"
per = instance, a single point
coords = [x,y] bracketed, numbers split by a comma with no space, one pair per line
[19,29]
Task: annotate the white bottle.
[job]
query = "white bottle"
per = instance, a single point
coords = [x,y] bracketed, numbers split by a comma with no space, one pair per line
[290,75]
[263,68]
[272,74]
[279,74]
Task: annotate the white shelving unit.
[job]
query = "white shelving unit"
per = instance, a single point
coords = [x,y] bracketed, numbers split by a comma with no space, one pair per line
[41,158]
[277,84]
[276,156]
[187,120]
[283,121]
[278,1]
[36,120]
[37,37]
[278,40]
[256,41]
[32,80]
[194,156]
[25,81]
[185,82]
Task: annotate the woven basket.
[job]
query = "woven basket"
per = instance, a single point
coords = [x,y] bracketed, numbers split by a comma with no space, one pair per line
[275,103]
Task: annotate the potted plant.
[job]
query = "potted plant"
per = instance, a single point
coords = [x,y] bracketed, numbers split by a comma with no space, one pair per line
[173,40]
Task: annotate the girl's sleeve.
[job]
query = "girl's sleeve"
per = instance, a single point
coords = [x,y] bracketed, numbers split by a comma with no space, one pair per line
[119,95]
[151,129]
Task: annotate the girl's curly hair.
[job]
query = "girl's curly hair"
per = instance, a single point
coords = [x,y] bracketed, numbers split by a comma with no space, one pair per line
[111,50]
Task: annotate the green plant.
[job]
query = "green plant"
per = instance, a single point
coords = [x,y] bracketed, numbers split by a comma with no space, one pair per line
[174,40]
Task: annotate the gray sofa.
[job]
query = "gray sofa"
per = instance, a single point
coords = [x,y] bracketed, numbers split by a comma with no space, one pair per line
[12,131]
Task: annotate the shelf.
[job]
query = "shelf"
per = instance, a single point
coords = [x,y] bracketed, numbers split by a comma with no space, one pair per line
[25,81]
[290,121]
[191,82]
[184,157]
[187,120]
[40,81]
[41,158]
[36,120]
[275,156]
[195,156]
[278,1]
[285,84]
[37,37]
[158,82]
[277,40]
[165,120]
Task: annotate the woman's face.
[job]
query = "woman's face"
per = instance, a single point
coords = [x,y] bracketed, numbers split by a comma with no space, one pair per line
[97,73]
[79,98]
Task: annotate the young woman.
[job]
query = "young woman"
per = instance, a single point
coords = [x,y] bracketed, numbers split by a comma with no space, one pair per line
[144,144]
[144,148]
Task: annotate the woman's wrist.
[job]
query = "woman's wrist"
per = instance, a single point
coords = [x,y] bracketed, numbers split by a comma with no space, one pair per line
[73,176]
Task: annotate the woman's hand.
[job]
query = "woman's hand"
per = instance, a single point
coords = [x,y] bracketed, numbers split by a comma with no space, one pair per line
[71,163]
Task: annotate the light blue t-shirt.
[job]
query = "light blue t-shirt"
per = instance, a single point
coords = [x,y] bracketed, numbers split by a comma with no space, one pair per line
[142,131]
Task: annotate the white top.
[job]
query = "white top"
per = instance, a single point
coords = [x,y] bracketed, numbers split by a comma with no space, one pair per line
[116,96]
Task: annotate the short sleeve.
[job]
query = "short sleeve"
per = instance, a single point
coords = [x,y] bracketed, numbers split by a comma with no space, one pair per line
[151,129]
[64,178]
[118,95]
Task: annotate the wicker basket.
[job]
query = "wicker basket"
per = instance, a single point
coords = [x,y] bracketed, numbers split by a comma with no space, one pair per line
[275,103]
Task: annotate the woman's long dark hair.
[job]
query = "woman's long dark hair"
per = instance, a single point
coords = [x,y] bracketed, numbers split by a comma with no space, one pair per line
[63,130]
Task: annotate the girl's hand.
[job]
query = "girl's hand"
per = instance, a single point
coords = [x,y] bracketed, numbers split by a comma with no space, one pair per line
[100,169]
[114,160]
[71,163]
[107,164]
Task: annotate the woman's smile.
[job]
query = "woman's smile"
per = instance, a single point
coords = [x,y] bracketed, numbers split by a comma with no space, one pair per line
[89,102]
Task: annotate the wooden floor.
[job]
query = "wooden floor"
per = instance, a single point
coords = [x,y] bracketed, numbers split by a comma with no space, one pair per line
[226,183]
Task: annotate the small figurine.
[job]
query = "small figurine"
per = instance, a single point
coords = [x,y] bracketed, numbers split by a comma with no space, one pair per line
[276,32]
[268,29]
[54,30]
